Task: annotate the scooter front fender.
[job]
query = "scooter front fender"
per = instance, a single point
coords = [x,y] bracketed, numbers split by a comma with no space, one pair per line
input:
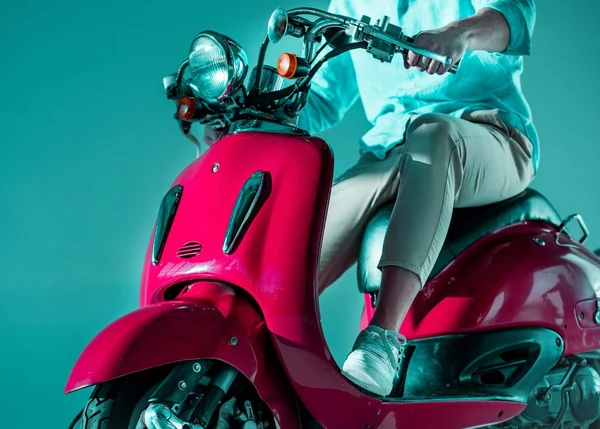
[161,334]
[180,330]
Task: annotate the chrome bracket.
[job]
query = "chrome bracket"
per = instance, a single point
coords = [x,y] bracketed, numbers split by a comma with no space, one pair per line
[581,223]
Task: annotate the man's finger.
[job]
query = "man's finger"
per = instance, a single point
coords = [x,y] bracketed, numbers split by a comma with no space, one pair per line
[433,67]
[443,70]
[413,59]
[423,63]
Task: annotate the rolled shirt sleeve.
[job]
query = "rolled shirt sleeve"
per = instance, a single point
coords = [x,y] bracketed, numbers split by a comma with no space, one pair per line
[333,92]
[520,17]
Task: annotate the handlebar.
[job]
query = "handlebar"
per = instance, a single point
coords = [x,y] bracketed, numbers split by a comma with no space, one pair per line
[427,54]
[392,36]
[409,45]
[384,39]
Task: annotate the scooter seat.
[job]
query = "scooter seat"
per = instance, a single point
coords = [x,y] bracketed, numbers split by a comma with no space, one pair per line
[467,226]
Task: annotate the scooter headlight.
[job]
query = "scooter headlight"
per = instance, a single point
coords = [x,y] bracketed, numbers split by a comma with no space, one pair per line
[218,66]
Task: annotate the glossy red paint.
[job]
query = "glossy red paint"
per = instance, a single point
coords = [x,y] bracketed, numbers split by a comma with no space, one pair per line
[199,324]
[275,262]
[512,281]
[508,282]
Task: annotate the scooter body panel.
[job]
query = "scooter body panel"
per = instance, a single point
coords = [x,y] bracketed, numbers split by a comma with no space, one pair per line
[274,260]
[206,321]
[523,275]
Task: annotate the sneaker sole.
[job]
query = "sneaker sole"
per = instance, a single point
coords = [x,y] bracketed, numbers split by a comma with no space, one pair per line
[355,368]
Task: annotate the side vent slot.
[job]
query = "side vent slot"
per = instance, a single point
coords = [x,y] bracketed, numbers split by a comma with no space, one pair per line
[166,216]
[246,206]
[189,250]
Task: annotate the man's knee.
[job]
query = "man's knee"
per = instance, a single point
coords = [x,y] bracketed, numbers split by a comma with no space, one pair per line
[431,134]
[432,124]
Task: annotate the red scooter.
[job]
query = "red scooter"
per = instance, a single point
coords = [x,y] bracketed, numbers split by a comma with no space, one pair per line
[505,334]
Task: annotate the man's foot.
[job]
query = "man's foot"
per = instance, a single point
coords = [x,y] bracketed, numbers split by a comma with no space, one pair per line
[374,360]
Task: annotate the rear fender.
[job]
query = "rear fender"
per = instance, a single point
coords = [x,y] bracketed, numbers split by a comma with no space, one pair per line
[509,280]
[197,325]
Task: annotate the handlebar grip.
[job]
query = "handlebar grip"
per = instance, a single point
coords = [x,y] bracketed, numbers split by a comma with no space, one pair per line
[452,69]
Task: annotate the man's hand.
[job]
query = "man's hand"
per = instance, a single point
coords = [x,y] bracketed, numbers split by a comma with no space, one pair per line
[487,30]
[449,41]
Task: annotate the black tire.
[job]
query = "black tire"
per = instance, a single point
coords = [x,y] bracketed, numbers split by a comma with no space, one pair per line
[119,403]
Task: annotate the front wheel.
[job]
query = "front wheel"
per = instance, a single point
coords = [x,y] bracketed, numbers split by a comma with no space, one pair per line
[118,404]
[200,394]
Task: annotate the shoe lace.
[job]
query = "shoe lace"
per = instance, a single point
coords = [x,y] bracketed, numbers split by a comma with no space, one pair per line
[393,340]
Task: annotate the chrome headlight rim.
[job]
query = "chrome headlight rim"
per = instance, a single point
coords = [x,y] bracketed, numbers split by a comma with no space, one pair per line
[232,51]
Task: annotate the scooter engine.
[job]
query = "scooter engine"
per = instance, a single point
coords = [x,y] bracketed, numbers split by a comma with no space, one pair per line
[567,398]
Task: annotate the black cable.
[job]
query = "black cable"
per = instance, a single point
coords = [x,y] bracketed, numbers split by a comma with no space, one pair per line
[261,60]
[329,42]
[334,53]
[271,96]
[293,13]
[301,21]
[292,89]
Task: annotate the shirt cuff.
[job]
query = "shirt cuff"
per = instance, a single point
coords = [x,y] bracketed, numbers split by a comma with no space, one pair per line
[520,23]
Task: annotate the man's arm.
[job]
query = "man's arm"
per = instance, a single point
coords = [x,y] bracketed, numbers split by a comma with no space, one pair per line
[333,92]
[500,26]
[487,30]
[519,17]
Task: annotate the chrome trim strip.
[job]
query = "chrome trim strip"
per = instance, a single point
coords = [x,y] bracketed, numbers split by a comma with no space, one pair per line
[245,206]
[166,215]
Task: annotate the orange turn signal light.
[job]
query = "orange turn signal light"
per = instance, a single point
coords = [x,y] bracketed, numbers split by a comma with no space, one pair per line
[186,108]
[287,65]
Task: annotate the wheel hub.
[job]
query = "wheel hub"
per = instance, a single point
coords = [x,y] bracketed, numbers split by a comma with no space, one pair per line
[159,416]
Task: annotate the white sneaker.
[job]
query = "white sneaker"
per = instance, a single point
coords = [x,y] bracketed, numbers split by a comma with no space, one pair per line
[374,360]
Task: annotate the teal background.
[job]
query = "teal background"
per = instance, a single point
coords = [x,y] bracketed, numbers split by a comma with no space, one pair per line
[88,147]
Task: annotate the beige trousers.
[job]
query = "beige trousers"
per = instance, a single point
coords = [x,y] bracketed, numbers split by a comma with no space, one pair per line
[446,162]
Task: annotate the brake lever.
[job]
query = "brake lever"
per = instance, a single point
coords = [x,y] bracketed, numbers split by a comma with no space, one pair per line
[385,40]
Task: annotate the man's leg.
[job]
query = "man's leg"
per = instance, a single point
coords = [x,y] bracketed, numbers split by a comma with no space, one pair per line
[355,196]
[448,162]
